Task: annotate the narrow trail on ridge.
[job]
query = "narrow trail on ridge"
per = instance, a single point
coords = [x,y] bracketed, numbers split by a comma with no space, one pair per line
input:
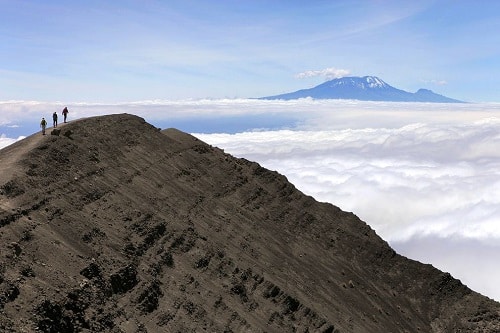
[14,152]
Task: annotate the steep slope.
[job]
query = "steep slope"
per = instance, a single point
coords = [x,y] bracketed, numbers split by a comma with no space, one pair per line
[115,226]
[366,88]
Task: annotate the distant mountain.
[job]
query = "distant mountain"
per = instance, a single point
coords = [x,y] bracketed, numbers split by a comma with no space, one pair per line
[366,88]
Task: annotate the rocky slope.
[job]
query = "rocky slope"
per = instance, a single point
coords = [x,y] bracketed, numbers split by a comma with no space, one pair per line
[111,225]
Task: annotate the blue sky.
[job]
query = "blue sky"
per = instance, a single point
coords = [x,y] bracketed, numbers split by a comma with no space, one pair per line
[117,51]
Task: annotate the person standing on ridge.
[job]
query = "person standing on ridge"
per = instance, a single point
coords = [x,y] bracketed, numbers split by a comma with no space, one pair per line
[54,118]
[43,124]
[65,113]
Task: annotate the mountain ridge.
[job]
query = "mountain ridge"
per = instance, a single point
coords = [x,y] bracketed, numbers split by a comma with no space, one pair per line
[366,88]
[112,225]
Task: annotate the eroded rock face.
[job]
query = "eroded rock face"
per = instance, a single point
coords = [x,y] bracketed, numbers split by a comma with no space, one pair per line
[118,227]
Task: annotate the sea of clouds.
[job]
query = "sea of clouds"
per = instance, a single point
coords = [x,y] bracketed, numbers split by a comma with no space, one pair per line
[425,176]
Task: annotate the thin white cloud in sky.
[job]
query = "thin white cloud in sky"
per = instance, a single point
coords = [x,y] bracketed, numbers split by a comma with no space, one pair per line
[328,73]
[425,176]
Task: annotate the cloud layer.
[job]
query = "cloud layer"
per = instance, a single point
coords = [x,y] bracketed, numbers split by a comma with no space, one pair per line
[432,191]
[426,177]
[445,180]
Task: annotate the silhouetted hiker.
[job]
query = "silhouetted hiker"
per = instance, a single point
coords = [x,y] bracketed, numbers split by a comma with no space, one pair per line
[54,117]
[65,113]
[43,124]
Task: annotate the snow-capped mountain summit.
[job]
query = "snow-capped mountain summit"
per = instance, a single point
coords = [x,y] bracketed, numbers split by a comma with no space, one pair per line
[365,82]
[366,88]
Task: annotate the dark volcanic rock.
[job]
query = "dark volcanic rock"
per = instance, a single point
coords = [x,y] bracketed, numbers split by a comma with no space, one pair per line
[119,227]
